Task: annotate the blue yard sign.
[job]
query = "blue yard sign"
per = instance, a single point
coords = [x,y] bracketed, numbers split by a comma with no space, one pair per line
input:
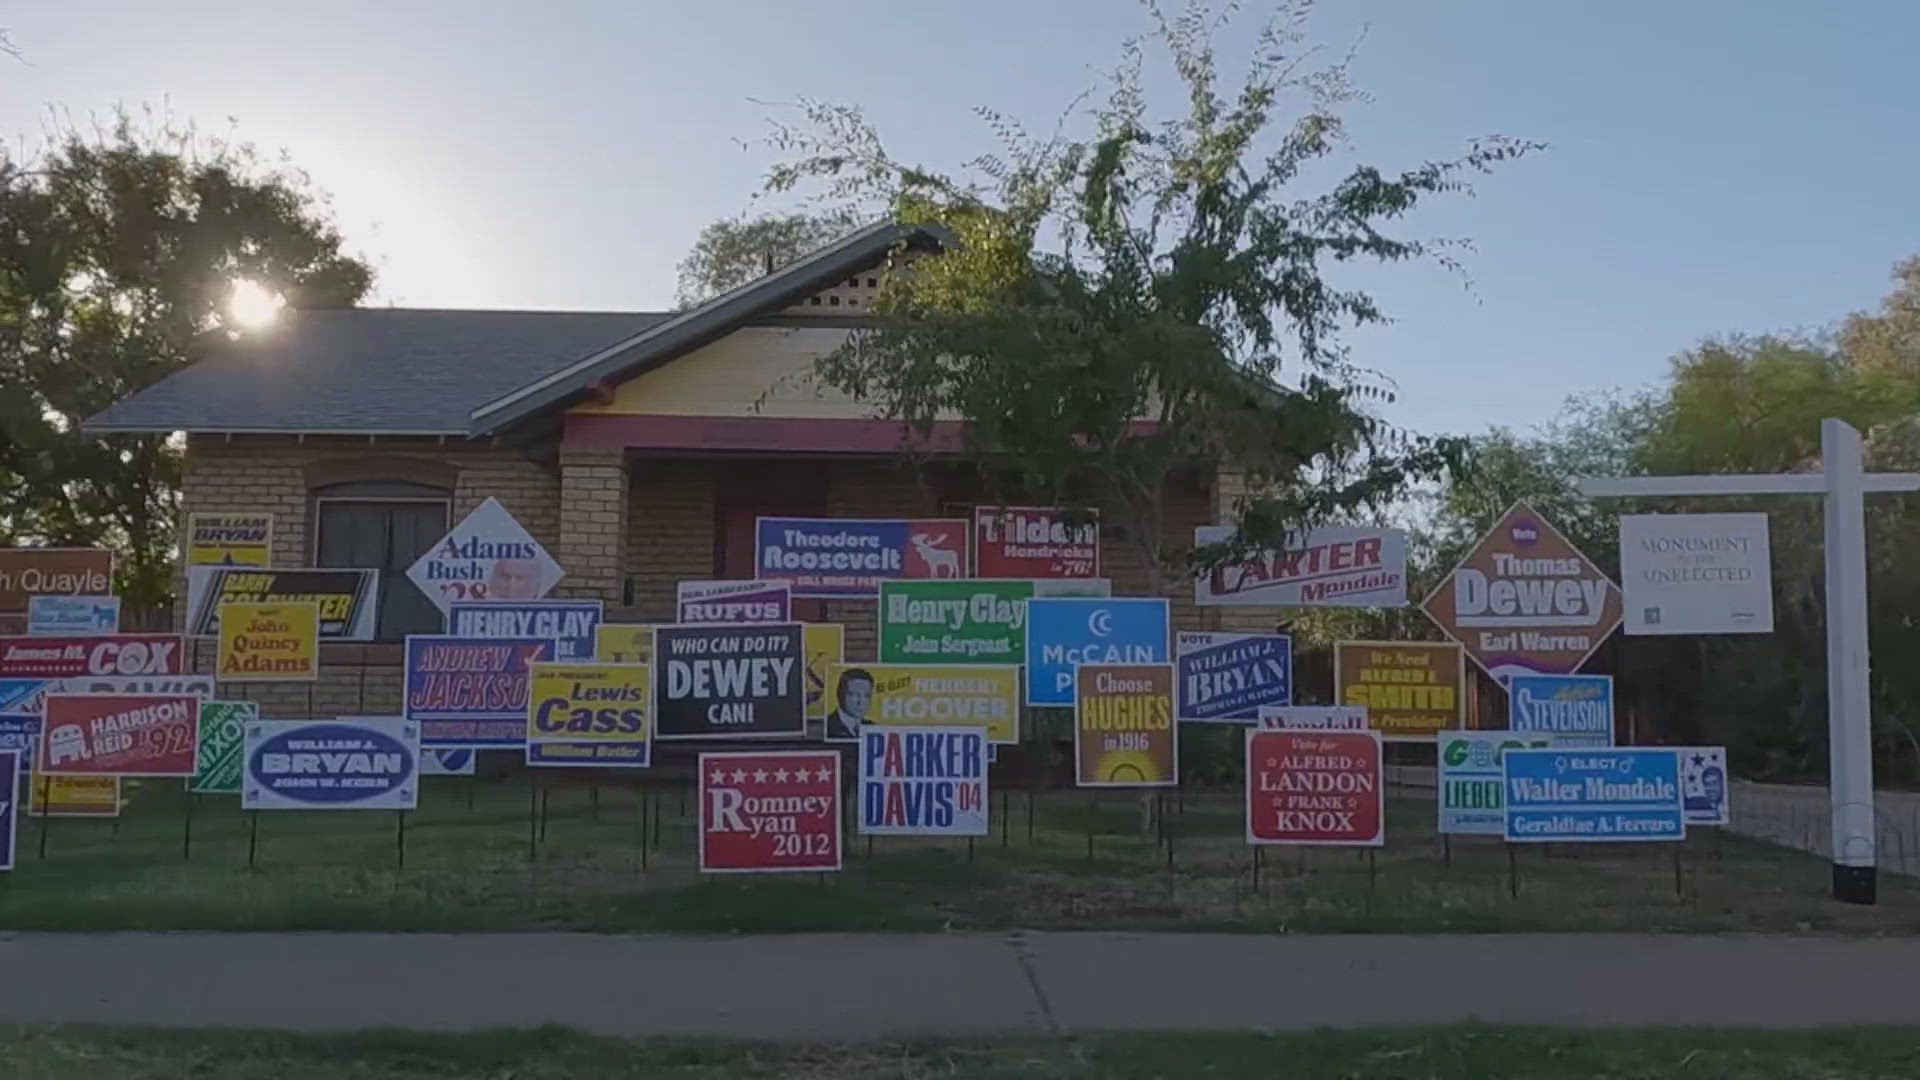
[12,765]
[571,624]
[1576,795]
[1065,631]
[1228,677]
[1577,710]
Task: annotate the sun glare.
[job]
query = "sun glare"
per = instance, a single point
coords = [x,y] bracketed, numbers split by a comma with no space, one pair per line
[252,305]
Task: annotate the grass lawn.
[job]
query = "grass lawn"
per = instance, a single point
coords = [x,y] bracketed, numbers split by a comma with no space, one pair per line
[467,867]
[1461,1053]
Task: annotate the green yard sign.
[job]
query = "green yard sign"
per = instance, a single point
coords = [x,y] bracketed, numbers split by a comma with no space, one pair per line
[222,732]
[954,622]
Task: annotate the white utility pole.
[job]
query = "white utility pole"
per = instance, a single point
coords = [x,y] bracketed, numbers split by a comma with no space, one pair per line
[1844,483]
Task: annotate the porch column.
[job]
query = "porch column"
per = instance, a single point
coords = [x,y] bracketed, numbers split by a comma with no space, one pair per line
[593,524]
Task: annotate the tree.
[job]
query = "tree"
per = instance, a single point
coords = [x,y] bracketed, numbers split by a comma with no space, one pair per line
[730,253]
[1890,341]
[119,252]
[1170,271]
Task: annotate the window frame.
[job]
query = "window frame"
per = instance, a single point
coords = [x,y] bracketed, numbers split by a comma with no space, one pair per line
[319,497]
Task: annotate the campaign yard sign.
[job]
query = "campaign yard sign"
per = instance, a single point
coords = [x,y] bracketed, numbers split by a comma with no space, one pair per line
[954,622]
[1123,729]
[623,643]
[10,771]
[22,733]
[488,556]
[1411,689]
[1230,677]
[734,601]
[21,695]
[769,812]
[118,735]
[1525,601]
[1065,631]
[1332,566]
[71,616]
[222,737]
[200,686]
[589,715]
[1576,709]
[466,691]
[1696,573]
[1315,787]
[229,539]
[27,572]
[729,681]
[100,654]
[928,781]
[1704,792]
[349,599]
[1582,795]
[572,624]
[1035,542]
[826,646]
[916,695]
[1472,788]
[1315,717]
[73,796]
[449,761]
[828,557]
[351,763]
[271,642]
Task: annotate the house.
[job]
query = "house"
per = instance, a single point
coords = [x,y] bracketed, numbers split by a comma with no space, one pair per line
[638,447]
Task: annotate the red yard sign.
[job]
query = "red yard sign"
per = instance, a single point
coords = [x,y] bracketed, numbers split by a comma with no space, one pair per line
[1035,542]
[119,735]
[763,812]
[1315,787]
[101,654]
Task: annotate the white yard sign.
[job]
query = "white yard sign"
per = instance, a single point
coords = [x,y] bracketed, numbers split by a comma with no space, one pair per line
[488,556]
[1696,574]
[1332,566]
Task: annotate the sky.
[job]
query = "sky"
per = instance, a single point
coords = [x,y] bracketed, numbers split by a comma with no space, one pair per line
[1713,166]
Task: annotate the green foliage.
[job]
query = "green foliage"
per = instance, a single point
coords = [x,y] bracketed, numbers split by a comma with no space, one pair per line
[731,253]
[118,252]
[1889,342]
[1119,307]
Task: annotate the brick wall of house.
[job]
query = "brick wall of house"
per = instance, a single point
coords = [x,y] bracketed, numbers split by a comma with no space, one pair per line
[279,474]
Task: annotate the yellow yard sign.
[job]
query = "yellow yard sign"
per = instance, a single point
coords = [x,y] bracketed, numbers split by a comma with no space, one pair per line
[268,642]
[825,645]
[229,539]
[589,714]
[933,695]
[623,643]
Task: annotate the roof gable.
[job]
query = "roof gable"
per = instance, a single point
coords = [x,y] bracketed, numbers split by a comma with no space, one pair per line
[702,325]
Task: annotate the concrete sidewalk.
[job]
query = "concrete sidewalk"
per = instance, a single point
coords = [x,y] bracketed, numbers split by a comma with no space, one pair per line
[834,986]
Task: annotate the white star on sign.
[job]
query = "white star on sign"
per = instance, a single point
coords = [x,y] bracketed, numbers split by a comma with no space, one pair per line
[824,774]
[759,776]
[739,775]
[720,777]
[780,776]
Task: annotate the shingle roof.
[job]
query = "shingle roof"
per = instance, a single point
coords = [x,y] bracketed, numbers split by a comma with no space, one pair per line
[435,372]
[688,330]
[370,370]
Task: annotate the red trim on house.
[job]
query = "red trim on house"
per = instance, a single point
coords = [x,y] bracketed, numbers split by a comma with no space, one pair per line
[599,431]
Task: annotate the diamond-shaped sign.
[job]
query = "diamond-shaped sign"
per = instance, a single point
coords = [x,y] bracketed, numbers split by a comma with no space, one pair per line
[1525,601]
[488,556]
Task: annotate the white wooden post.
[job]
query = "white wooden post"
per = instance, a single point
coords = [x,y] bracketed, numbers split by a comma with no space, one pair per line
[1844,483]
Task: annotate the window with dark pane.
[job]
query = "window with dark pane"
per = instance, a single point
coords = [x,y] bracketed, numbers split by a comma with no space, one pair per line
[383,526]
